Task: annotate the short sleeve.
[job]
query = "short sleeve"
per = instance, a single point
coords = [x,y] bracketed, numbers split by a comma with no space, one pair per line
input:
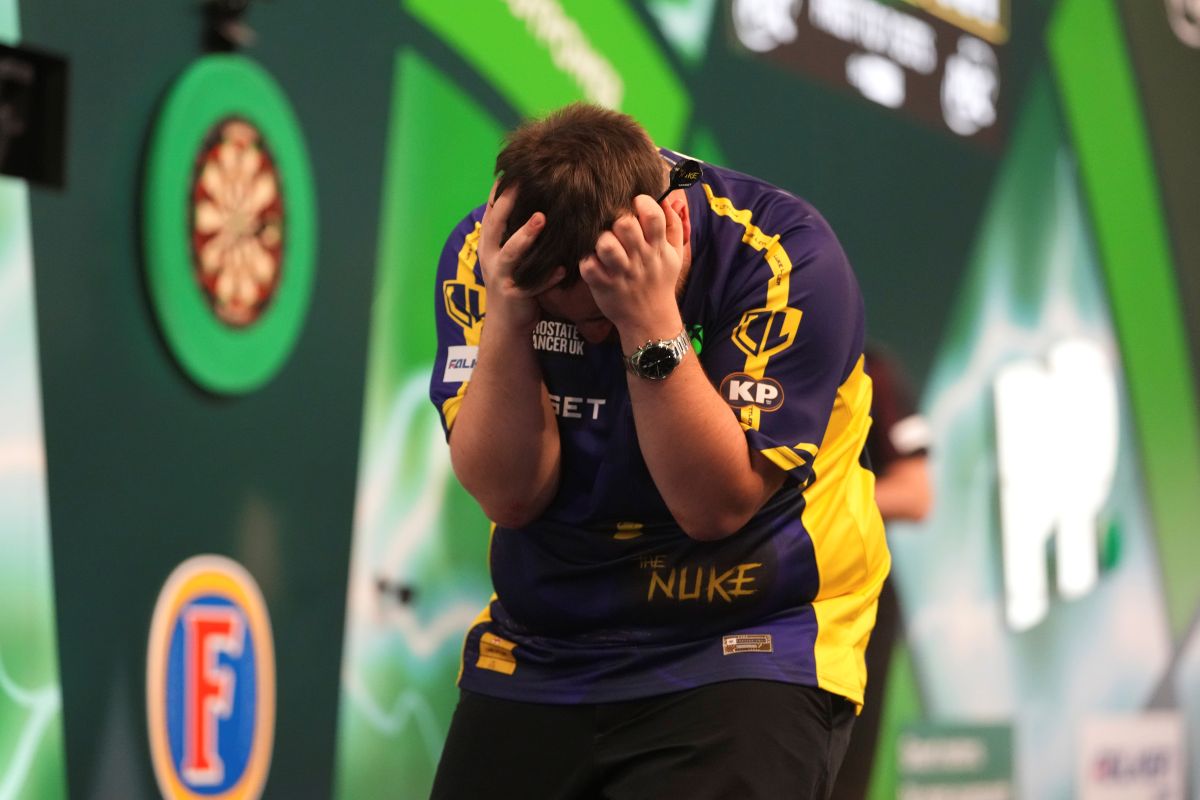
[460,302]
[787,342]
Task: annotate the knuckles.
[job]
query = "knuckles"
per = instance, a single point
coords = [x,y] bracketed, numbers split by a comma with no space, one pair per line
[609,247]
[626,226]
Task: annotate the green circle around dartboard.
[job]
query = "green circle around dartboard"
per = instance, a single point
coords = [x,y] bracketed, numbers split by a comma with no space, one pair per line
[220,357]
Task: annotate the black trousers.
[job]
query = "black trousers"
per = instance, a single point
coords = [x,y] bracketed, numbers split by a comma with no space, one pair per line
[738,740]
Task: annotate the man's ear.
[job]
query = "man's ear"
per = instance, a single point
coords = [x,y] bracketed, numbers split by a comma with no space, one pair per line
[679,204]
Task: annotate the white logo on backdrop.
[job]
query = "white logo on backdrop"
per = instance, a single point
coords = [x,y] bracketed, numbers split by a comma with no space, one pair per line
[1056,442]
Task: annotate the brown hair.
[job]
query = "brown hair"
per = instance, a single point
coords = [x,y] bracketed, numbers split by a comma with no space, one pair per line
[581,166]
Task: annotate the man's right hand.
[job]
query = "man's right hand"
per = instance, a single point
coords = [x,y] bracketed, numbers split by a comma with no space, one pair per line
[508,305]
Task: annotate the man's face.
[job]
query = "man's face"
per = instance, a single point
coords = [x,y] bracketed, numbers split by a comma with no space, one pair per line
[576,305]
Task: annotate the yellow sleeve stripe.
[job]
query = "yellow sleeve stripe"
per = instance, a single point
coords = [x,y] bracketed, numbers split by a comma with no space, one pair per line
[773,252]
[778,286]
[467,256]
[786,458]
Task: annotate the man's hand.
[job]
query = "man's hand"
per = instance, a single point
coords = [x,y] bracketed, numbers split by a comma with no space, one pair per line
[508,305]
[635,270]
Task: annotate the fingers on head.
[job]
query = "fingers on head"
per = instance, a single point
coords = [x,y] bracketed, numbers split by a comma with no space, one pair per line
[590,268]
[644,205]
[650,217]
[524,236]
[629,232]
[610,248]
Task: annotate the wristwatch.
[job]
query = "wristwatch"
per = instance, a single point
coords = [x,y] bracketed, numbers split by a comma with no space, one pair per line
[657,359]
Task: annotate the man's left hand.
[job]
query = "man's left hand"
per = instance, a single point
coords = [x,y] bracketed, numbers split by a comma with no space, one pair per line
[634,272]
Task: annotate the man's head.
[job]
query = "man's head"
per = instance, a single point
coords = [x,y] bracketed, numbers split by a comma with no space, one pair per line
[581,166]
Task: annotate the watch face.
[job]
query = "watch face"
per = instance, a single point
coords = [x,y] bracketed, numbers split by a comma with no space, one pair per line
[657,361]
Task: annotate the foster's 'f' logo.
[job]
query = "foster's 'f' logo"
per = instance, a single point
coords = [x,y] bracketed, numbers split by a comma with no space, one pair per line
[210,683]
[465,303]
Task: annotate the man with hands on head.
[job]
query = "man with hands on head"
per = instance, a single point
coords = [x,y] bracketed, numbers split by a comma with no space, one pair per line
[661,406]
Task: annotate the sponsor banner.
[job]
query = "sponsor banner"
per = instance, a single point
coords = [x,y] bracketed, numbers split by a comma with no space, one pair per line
[210,683]
[955,762]
[1131,755]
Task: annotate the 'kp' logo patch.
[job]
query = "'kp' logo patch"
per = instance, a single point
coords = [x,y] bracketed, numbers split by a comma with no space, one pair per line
[741,390]
[466,303]
[210,683]
[763,332]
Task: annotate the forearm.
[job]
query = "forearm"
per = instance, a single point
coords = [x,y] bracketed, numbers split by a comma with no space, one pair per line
[903,491]
[698,454]
[504,445]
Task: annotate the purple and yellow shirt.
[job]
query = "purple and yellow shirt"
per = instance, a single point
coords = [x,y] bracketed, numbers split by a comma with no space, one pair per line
[603,597]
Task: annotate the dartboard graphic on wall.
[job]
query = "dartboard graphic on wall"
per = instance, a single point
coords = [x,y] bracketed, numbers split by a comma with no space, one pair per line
[237,222]
[229,229]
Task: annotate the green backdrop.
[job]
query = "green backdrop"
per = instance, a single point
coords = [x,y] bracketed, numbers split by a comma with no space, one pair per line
[330,483]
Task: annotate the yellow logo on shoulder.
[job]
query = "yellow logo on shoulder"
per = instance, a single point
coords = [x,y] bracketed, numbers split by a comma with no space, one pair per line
[466,303]
[763,332]
[496,654]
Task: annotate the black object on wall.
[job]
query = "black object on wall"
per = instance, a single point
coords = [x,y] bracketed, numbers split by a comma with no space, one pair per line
[33,99]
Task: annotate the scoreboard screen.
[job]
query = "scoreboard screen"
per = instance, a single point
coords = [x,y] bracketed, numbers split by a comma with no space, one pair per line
[937,61]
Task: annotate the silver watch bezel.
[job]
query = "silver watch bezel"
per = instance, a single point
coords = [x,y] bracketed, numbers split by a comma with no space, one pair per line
[677,346]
